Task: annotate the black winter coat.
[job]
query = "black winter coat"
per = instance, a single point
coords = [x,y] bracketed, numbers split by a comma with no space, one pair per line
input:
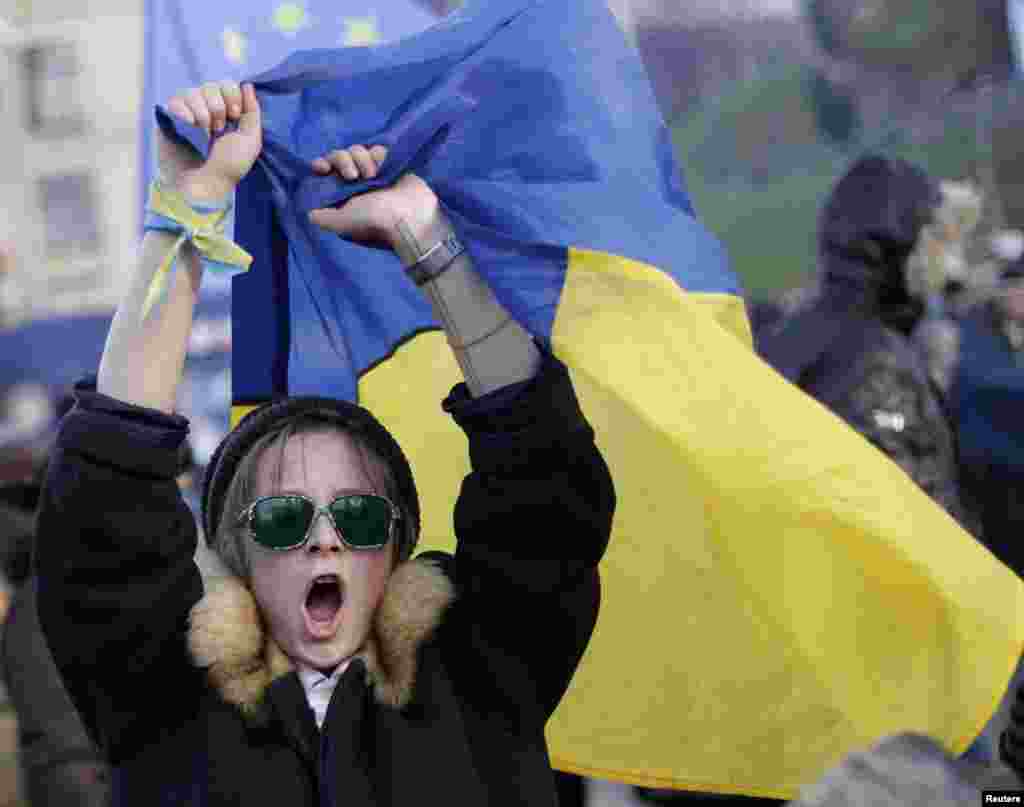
[850,348]
[448,702]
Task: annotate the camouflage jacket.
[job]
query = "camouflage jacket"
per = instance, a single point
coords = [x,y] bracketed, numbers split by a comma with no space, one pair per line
[895,406]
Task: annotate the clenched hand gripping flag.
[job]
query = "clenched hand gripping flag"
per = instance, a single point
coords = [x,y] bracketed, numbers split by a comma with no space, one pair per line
[777,593]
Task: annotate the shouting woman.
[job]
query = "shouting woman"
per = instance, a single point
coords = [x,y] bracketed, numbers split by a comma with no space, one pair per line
[331,667]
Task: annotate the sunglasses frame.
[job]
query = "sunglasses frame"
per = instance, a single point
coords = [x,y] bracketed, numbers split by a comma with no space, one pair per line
[246,515]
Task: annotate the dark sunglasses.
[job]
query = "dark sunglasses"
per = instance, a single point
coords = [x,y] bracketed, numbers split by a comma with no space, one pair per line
[285,521]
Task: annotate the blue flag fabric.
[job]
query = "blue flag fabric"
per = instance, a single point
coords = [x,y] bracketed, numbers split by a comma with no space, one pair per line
[529,148]
[776,593]
[188,42]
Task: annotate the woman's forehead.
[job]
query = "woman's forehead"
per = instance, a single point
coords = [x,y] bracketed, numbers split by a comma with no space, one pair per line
[318,460]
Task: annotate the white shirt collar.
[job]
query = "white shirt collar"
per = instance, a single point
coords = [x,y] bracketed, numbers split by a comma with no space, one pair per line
[319,688]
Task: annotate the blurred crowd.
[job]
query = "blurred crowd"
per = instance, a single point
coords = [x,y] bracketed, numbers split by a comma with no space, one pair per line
[912,342]
[912,332]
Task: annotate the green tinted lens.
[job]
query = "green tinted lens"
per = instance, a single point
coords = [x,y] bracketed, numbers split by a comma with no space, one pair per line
[281,522]
[364,521]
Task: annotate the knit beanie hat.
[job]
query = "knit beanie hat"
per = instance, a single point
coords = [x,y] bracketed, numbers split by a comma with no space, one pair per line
[349,417]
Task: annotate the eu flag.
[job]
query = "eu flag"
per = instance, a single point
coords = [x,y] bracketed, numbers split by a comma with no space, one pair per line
[777,593]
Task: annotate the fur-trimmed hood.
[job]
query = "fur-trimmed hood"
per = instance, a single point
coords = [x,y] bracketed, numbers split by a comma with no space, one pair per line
[228,637]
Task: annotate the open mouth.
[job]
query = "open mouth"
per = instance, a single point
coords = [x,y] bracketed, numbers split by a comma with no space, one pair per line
[323,604]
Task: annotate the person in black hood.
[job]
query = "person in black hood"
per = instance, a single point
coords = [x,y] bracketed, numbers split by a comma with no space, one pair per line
[850,349]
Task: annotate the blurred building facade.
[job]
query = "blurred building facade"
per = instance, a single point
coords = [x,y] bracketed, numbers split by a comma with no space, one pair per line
[70,85]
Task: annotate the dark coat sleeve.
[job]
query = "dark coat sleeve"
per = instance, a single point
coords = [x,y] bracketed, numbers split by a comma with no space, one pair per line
[116,577]
[532,522]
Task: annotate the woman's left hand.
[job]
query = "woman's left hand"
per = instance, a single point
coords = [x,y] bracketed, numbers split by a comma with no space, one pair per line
[379,215]
[211,107]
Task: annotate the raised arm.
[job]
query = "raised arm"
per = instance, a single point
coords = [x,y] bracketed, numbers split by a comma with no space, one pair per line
[534,516]
[115,540]
[492,349]
[145,351]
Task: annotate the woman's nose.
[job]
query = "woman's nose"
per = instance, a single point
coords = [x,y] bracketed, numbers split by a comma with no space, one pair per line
[323,537]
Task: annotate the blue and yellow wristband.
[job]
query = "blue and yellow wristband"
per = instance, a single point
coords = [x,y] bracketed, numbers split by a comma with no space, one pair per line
[201,225]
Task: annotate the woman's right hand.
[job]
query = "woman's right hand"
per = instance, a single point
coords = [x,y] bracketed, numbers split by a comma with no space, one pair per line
[211,107]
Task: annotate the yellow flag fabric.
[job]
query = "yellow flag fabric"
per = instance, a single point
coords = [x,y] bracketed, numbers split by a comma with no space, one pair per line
[776,594]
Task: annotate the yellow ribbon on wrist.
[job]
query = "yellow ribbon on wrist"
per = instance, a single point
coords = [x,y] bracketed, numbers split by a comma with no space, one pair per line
[169,211]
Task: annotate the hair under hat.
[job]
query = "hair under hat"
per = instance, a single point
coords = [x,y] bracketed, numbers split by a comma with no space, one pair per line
[347,416]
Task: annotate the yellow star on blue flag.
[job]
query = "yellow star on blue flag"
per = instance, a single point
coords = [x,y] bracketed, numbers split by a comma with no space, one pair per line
[290,18]
[360,31]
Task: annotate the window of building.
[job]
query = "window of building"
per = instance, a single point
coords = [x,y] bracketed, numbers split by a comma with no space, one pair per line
[52,73]
[69,209]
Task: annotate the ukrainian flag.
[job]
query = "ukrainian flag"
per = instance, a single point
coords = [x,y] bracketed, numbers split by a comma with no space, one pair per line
[776,593]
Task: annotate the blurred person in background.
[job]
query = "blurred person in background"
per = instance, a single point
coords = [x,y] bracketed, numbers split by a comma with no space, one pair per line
[1011,740]
[974,355]
[887,250]
[905,770]
[988,397]
[16,532]
[60,766]
[964,290]
[948,281]
[850,347]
